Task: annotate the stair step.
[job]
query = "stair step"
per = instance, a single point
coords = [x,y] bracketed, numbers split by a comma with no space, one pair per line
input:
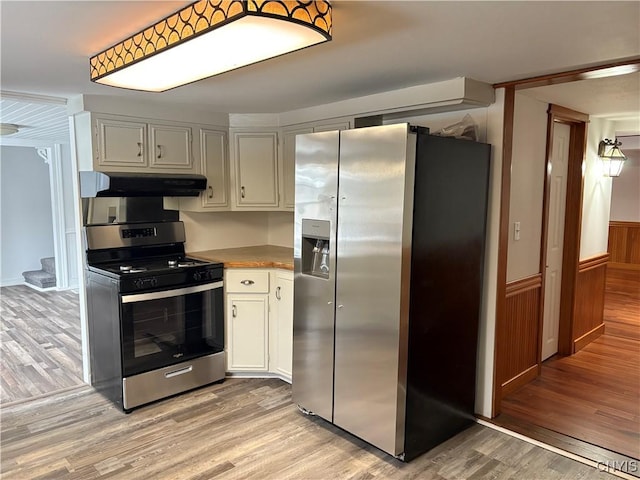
[49,265]
[40,278]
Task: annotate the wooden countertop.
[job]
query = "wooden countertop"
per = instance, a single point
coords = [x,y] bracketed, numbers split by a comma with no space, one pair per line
[261,256]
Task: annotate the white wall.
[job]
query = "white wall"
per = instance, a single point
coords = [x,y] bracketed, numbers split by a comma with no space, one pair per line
[280,229]
[625,195]
[26,229]
[214,230]
[527,186]
[596,199]
[437,121]
[209,231]
[625,191]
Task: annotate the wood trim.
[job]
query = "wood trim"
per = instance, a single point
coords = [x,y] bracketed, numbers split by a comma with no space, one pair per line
[624,266]
[565,77]
[587,338]
[520,286]
[520,334]
[567,115]
[572,223]
[519,380]
[587,323]
[593,262]
[503,245]
[618,223]
[624,242]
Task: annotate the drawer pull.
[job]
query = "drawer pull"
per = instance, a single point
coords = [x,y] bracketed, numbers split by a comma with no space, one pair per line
[278,294]
[247,282]
[181,371]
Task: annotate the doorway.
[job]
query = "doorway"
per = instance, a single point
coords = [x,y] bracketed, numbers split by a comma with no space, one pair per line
[557,168]
[526,407]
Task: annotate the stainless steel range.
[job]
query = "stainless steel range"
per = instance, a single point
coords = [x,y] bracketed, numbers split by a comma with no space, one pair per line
[156,316]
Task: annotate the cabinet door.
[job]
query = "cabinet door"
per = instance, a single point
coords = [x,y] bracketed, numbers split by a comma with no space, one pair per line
[170,147]
[283,311]
[247,339]
[214,164]
[121,144]
[289,165]
[256,170]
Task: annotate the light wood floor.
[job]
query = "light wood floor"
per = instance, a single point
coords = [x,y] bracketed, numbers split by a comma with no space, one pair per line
[240,429]
[594,395]
[40,343]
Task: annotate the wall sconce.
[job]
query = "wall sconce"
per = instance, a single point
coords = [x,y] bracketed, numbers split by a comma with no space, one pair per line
[612,157]
[209,37]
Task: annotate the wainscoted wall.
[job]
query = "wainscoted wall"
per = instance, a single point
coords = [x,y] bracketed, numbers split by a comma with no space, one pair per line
[624,245]
[518,340]
[589,301]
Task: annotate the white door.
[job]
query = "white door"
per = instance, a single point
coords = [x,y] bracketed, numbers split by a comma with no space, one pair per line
[555,239]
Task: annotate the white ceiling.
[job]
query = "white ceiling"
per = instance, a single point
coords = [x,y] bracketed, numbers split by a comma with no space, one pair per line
[377,46]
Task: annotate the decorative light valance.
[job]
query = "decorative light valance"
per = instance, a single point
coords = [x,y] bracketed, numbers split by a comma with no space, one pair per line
[209,37]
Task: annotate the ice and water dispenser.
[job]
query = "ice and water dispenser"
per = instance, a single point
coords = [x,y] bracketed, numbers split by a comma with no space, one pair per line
[315,247]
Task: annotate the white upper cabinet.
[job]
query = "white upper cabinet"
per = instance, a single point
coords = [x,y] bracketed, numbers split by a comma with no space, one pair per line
[170,147]
[288,161]
[289,165]
[110,143]
[121,144]
[254,157]
[215,166]
[211,150]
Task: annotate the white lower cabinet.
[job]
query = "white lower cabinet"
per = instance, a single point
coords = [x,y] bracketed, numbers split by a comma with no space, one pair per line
[247,333]
[281,323]
[259,321]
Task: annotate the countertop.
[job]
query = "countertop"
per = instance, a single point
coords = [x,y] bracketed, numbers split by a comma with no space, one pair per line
[261,256]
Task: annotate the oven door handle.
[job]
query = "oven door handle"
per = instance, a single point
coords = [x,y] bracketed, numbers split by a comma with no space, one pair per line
[141,297]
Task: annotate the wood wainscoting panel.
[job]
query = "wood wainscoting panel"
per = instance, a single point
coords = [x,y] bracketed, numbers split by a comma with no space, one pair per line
[624,244]
[519,341]
[589,301]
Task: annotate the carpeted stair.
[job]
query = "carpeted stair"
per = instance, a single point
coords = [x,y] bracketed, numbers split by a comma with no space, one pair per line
[44,278]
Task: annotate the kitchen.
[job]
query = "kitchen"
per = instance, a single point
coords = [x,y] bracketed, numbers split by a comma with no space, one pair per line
[248,224]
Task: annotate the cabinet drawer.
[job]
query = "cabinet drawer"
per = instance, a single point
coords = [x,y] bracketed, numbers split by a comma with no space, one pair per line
[247,281]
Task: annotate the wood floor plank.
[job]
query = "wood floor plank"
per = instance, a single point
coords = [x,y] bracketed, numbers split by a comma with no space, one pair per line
[240,429]
[40,348]
[593,395]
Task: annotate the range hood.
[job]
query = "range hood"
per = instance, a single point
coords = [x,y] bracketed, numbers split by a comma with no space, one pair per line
[100,184]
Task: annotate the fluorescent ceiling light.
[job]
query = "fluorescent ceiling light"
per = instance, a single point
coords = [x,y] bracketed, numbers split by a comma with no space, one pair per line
[210,37]
[611,71]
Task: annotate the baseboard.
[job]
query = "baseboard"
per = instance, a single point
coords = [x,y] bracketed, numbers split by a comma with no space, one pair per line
[11,282]
[48,289]
[257,375]
[519,380]
[587,338]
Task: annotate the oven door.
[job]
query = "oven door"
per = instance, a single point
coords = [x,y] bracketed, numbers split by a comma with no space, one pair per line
[162,328]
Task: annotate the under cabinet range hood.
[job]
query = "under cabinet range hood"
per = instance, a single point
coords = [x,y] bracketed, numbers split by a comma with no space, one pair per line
[112,184]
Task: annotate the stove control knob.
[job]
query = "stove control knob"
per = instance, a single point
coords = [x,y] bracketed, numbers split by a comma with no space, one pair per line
[138,283]
[153,282]
[197,276]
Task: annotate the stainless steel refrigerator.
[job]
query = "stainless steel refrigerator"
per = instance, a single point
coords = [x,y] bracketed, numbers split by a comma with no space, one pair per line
[388,259]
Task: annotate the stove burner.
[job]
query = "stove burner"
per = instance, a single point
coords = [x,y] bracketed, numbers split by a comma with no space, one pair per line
[187,264]
[130,269]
